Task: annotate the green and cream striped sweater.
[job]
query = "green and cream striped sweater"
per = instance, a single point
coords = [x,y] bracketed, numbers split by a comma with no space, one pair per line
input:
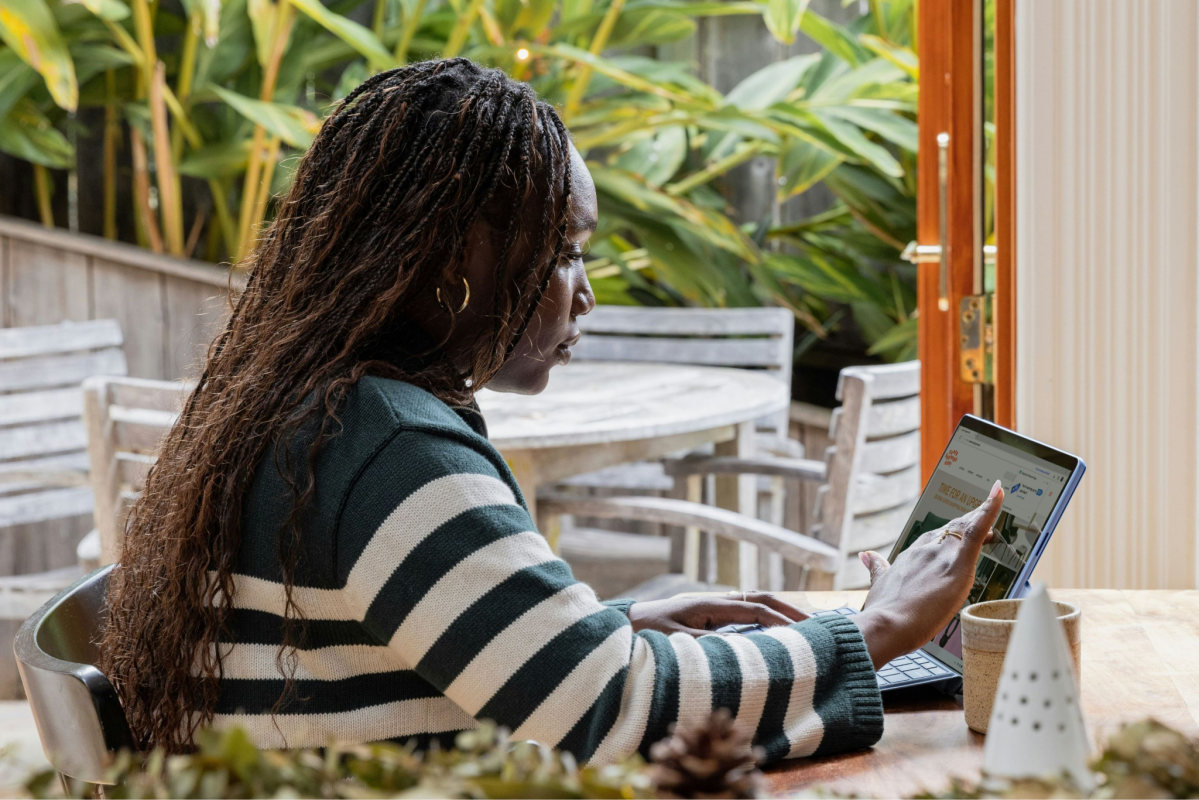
[430,601]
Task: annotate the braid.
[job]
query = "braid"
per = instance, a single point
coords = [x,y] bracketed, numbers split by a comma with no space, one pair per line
[379,211]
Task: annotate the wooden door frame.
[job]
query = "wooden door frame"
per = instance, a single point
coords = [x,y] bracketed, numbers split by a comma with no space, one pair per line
[950,92]
[1005,213]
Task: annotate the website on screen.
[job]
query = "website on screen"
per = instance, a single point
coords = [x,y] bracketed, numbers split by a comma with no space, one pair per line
[963,479]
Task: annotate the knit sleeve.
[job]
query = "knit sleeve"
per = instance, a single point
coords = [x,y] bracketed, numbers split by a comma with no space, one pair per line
[442,562]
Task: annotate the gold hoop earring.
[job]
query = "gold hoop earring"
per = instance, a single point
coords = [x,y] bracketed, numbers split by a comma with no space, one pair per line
[465,299]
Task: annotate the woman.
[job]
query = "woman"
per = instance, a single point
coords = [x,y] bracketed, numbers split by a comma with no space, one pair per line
[329,547]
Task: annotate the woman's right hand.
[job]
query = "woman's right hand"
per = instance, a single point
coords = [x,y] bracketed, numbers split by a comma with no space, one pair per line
[914,598]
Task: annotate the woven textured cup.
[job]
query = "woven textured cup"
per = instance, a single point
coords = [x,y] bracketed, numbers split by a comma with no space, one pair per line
[986,628]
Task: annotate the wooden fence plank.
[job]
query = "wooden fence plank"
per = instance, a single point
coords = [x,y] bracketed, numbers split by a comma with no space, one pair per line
[193,313]
[134,297]
[46,285]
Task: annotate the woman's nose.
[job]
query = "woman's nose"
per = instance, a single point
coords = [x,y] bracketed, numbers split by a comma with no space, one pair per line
[584,298]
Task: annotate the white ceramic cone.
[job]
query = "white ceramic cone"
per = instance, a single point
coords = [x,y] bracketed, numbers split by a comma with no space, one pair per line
[1036,728]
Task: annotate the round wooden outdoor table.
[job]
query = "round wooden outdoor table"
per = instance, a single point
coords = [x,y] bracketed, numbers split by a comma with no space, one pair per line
[598,414]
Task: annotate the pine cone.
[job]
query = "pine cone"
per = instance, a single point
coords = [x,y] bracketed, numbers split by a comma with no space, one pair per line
[713,760]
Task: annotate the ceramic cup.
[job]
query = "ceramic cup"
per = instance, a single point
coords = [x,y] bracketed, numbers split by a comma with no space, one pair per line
[986,628]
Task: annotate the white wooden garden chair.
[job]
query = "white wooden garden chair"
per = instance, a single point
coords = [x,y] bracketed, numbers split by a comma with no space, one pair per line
[126,419]
[45,499]
[745,338]
[870,477]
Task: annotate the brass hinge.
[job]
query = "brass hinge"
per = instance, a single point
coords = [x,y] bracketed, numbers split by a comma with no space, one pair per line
[977,338]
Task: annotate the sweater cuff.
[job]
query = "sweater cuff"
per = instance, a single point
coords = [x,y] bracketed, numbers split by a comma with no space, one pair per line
[622,605]
[847,696]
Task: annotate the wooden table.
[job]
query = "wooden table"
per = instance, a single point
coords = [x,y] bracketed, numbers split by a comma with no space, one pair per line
[598,414]
[1140,658]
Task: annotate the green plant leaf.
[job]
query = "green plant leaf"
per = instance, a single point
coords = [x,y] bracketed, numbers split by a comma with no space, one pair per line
[900,56]
[216,160]
[853,138]
[771,84]
[893,127]
[294,125]
[111,10]
[16,79]
[349,31]
[657,156]
[262,22]
[26,133]
[651,26]
[783,17]
[834,38]
[898,343]
[28,27]
[803,165]
[92,58]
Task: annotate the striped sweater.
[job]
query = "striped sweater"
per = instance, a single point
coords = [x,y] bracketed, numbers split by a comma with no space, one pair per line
[430,601]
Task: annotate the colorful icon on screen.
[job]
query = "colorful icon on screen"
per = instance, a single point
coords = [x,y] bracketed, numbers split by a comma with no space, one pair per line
[1015,488]
[1039,491]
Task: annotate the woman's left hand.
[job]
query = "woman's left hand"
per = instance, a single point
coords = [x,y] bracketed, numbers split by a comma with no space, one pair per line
[699,616]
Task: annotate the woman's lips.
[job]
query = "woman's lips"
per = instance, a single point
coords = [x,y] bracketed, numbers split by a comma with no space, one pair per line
[564,353]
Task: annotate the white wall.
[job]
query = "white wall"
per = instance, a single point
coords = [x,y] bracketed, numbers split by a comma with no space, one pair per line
[1107,127]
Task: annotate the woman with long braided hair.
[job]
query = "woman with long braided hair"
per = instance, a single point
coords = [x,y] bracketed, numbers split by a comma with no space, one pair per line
[329,547]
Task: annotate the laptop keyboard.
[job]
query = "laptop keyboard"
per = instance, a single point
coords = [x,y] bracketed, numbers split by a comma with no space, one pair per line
[905,668]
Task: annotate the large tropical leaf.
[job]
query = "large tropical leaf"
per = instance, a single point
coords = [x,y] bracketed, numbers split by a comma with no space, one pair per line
[112,10]
[26,133]
[216,160]
[350,32]
[294,125]
[803,165]
[783,18]
[771,84]
[16,78]
[28,27]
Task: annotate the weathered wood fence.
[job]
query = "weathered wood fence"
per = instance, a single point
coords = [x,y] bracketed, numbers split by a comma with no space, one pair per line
[167,307]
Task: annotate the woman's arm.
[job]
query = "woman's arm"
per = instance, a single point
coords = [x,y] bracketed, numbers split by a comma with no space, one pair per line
[456,580]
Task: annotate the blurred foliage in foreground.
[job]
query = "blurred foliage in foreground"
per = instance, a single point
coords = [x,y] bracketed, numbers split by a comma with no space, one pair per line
[218,97]
[1142,760]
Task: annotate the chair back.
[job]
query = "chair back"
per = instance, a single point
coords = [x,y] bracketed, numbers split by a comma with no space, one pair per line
[873,465]
[43,444]
[79,718]
[126,420]
[746,338]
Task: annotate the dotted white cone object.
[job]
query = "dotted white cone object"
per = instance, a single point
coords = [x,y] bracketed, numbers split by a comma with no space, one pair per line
[1036,728]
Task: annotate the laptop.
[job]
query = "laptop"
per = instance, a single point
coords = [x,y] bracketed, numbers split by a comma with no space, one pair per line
[1038,480]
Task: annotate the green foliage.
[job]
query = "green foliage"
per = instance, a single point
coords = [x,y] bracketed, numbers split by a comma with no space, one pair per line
[1142,759]
[659,141]
[484,763]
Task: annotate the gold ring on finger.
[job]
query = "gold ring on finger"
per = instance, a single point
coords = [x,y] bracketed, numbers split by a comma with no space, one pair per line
[945,533]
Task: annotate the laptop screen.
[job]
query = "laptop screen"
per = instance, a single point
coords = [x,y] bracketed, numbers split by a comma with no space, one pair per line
[969,467]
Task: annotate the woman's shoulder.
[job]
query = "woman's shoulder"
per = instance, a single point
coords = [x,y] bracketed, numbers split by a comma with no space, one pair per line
[423,434]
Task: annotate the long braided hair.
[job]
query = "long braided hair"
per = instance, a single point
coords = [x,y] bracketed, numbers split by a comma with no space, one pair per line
[377,217]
